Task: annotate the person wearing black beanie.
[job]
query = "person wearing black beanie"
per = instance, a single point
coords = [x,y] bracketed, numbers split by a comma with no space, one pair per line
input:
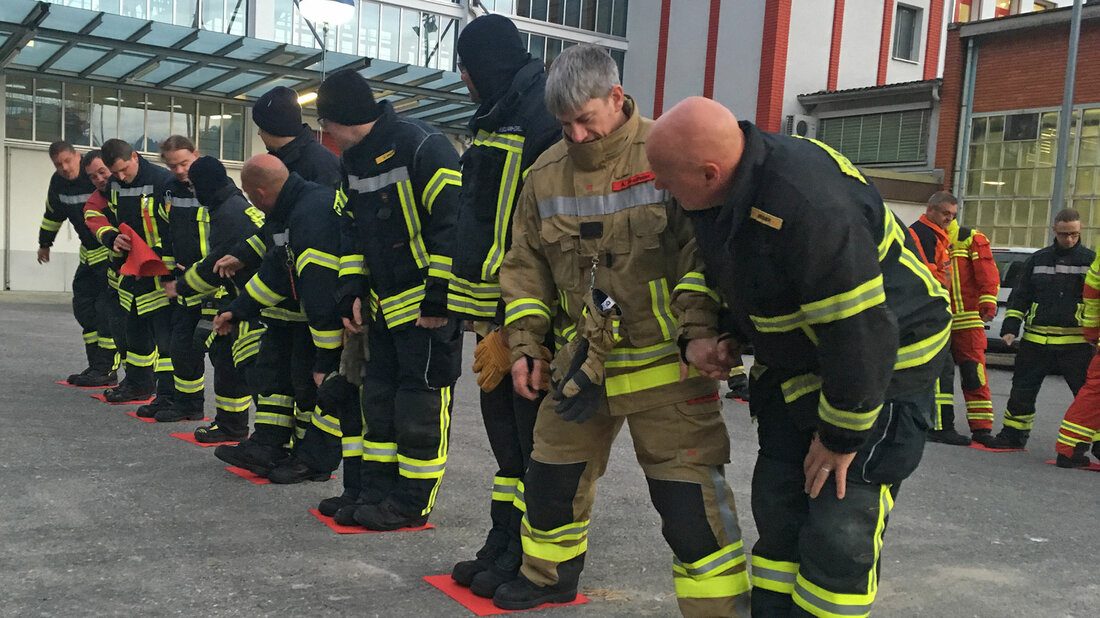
[490,52]
[510,130]
[345,97]
[278,113]
[278,116]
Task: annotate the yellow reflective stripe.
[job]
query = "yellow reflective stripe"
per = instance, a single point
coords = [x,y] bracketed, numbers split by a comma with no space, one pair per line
[195,282]
[148,214]
[637,357]
[645,378]
[382,452]
[412,223]
[920,352]
[778,323]
[164,363]
[50,225]
[800,386]
[351,446]
[445,395]
[504,488]
[523,307]
[281,401]
[506,195]
[320,258]
[94,256]
[478,299]
[1039,329]
[695,282]
[729,556]
[439,266]
[442,177]
[841,161]
[1014,313]
[845,304]
[106,343]
[1053,339]
[232,404]
[90,338]
[257,245]
[353,264]
[326,422]
[202,216]
[124,298]
[103,230]
[511,142]
[572,531]
[400,308]
[892,233]
[327,339]
[660,302]
[286,315]
[519,501]
[717,587]
[987,298]
[846,419]
[264,295]
[140,360]
[551,551]
[774,575]
[188,386]
[409,467]
[267,417]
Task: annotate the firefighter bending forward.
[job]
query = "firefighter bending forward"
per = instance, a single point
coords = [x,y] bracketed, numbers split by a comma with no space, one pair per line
[601,253]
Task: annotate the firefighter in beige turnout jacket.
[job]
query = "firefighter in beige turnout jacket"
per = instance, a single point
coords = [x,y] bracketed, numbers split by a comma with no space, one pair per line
[589,219]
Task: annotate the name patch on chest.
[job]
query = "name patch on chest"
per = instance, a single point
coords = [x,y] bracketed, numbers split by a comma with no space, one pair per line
[637,179]
[771,221]
[382,157]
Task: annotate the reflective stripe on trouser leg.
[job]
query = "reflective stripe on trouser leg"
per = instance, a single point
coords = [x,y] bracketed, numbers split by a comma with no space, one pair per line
[423,441]
[558,490]
[1081,424]
[842,536]
[944,416]
[968,350]
[1033,363]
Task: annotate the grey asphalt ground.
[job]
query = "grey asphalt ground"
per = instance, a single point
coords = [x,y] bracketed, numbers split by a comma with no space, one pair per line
[102,515]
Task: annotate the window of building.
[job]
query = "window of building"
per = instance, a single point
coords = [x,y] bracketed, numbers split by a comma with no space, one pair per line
[964,10]
[606,16]
[220,15]
[1003,8]
[907,30]
[20,107]
[896,137]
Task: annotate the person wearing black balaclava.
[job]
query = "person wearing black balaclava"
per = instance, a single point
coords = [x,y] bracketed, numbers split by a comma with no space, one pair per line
[226,218]
[510,130]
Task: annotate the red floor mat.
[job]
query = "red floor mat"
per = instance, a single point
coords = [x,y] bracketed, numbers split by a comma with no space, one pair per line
[248,476]
[133,414]
[190,437]
[328,521]
[481,606]
[100,397]
[982,447]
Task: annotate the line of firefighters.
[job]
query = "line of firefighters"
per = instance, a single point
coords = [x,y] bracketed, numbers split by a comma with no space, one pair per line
[334,299]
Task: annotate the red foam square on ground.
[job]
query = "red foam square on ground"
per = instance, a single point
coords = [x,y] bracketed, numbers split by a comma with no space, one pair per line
[331,523]
[481,606]
[982,447]
[100,397]
[190,437]
[248,476]
[133,414]
[87,388]
[1095,467]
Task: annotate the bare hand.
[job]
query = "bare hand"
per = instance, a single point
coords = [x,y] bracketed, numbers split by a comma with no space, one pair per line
[318,378]
[430,322]
[1008,338]
[122,243]
[227,266]
[170,288]
[709,357]
[43,255]
[355,323]
[223,323]
[820,462]
[526,381]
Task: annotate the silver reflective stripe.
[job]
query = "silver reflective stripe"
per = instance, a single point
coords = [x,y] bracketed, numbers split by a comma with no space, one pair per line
[504,489]
[374,183]
[576,528]
[185,202]
[636,355]
[713,566]
[321,421]
[829,606]
[600,205]
[729,519]
[74,199]
[381,452]
[405,466]
[759,572]
[131,191]
[800,386]
[1060,269]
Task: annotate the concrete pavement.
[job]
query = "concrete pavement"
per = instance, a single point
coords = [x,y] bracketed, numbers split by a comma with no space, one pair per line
[104,515]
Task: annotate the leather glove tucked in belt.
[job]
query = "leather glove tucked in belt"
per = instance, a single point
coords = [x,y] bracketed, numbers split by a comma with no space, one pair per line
[579,392]
[354,357]
[492,360]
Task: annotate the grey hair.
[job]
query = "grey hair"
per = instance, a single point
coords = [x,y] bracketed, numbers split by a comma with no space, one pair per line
[579,74]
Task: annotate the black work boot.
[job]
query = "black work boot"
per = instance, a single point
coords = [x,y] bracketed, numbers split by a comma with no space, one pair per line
[739,387]
[948,436]
[182,408]
[214,433]
[257,458]
[982,436]
[520,593]
[94,377]
[294,470]
[1010,438]
[352,486]
[1096,449]
[1079,459]
[503,569]
[128,391]
[76,376]
[386,516]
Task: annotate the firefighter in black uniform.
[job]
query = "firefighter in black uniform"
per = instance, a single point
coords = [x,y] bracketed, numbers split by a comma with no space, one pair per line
[849,330]
[303,266]
[1048,301]
[69,190]
[136,195]
[401,188]
[510,130]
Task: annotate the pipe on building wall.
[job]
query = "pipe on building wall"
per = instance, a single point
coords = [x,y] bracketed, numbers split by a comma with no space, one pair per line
[1065,116]
[965,113]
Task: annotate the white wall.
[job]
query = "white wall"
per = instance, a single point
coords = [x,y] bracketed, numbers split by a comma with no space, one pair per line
[860,41]
[737,67]
[643,29]
[808,52]
[687,50]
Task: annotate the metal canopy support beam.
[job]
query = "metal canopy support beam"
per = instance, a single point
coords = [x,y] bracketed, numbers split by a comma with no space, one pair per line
[417,91]
[234,46]
[114,53]
[67,47]
[401,70]
[20,38]
[309,61]
[424,80]
[185,41]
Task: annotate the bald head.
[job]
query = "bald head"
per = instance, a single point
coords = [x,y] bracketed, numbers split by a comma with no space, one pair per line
[694,149]
[262,178]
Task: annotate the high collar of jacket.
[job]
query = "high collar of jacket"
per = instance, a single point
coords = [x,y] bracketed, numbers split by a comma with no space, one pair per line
[292,150]
[732,212]
[594,155]
[493,111]
[140,177]
[1060,252]
[221,195]
[288,197]
[937,230]
[379,137]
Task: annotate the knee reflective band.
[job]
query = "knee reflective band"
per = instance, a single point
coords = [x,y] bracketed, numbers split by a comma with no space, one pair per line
[979,410]
[351,446]
[1072,434]
[971,375]
[504,489]
[413,468]
[326,422]
[164,364]
[774,575]
[548,531]
[275,410]
[555,545]
[91,337]
[232,404]
[382,452]
[190,386]
[1023,422]
[701,579]
[140,360]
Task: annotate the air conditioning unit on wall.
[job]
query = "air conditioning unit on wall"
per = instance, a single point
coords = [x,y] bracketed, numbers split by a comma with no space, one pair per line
[800,125]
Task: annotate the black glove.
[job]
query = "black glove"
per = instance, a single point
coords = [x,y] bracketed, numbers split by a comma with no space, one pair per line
[583,405]
[336,394]
[345,307]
